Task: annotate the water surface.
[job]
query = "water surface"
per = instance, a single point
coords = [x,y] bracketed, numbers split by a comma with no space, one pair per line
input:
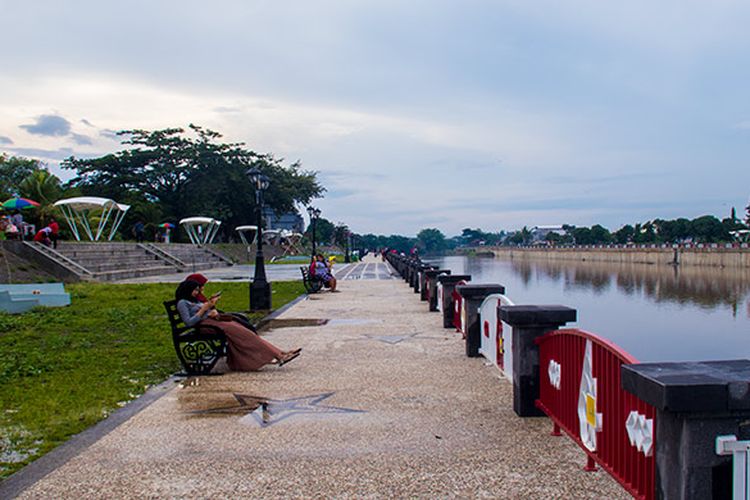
[656,313]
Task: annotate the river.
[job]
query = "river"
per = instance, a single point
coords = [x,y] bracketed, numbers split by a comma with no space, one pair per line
[656,313]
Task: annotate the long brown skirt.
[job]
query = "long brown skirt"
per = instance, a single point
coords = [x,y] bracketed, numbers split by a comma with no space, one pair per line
[246,350]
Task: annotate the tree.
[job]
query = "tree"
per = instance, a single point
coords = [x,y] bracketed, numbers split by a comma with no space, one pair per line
[45,188]
[431,240]
[624,235]
[13,171]
[600,235]
[194,174]
[708,229]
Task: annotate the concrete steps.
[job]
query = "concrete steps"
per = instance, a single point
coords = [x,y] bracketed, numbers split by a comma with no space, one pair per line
[106,261]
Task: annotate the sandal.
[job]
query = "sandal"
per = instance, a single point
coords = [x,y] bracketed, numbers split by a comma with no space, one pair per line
[288,358]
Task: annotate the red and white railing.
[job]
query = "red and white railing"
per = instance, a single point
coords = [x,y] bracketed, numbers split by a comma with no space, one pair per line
[496,339]
[580,392]
[459,315]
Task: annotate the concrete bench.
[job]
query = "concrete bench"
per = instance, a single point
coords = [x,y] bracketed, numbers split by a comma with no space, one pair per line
[16,299]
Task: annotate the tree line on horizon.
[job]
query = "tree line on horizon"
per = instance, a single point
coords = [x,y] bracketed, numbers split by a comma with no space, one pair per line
[703,229]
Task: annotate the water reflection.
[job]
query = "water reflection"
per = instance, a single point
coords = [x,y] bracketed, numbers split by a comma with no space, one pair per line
[704,287]
[657,313]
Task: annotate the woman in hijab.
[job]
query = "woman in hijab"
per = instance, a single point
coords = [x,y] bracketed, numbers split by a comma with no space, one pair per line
[246,350]
[202,280]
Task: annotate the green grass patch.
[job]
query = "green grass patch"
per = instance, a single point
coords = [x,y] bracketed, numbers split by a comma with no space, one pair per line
[64,369]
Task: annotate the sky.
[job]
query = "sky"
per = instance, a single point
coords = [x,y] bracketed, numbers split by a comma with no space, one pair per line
[420,114]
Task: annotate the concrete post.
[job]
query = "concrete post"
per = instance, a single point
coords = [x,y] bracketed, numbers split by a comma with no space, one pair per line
[528,323]
[695,403]
[449,283]
[432,275]
[423,280]
[472,296]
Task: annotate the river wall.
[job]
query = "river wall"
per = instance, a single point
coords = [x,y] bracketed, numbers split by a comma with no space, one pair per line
[732,257]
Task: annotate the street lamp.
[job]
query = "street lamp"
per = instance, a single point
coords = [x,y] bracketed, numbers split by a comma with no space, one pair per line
[260,288]
[347,244]
[314,213]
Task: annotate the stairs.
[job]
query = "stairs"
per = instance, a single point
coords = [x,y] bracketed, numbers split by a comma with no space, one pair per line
[116,261]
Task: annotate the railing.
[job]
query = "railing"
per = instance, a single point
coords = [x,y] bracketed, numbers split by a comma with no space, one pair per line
[497,339]
[740,451]
[580,392]
[459,315]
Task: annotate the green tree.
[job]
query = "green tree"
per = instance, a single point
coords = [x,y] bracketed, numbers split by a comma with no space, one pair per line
[192,173]
[431,240]
[13,171]
[708,229]
[624,235]
[600,235]
[45,188]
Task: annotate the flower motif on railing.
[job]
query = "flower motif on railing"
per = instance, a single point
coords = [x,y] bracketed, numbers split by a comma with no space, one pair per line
[640,432]
[554,372]
[590,422]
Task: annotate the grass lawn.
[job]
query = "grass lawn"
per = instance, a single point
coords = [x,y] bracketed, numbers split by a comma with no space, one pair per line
[64,369]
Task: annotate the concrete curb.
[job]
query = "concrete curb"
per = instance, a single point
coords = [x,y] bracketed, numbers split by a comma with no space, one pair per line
[36,470]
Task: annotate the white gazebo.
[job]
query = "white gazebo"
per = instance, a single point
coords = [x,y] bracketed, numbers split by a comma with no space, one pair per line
[201,230]
[248,234]
[81,211]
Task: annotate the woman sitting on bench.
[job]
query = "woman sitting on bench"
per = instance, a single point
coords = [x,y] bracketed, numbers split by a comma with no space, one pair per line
[323,272]
[246,350]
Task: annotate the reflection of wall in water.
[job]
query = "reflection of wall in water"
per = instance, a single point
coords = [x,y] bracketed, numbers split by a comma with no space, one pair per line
[707,288]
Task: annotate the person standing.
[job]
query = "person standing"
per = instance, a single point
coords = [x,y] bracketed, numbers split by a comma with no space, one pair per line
[17,220]
[55,228]
[138,231]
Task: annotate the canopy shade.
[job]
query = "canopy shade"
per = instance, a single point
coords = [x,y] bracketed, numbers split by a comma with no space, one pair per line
[81,209]
[248,233]
[200,230]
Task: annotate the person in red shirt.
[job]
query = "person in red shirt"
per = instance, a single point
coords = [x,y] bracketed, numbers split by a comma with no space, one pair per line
[42,236]
[55,227]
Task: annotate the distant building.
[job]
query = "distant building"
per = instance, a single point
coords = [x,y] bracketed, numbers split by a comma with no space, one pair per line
[539,233]
[289,221]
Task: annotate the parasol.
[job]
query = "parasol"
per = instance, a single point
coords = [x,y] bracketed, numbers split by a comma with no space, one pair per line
[19,203]
[166,225]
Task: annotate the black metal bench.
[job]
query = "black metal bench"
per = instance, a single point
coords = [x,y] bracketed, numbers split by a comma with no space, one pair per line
[197,348]
[313,284]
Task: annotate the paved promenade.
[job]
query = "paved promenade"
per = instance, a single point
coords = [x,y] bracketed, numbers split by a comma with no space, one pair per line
[381,403]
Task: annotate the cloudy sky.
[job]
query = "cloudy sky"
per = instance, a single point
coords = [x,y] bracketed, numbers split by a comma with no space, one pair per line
[447,114]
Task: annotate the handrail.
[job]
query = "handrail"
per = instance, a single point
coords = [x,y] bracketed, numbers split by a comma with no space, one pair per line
[162,254]
[580,392]
[218,254]
[61,259]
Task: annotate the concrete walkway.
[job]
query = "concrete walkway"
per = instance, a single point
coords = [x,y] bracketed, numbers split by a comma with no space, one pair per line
[382,403]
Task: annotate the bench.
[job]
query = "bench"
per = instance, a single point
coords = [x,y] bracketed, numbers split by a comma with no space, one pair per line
[197,348]
[313,284]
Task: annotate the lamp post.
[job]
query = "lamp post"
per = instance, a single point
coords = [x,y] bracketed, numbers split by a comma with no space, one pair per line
[347,244]
[314,213]
[260,288]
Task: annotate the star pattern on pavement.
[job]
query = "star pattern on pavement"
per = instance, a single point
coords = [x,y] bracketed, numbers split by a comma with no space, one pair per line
[267,411]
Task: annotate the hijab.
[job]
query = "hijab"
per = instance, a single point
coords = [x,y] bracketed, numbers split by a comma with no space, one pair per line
[185,291]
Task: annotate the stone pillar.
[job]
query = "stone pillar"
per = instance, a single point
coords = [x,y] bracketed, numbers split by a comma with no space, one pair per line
[472,296]
[695,402]
[528,323]
[432,275]
[414,273]
[423,281]
[449,282]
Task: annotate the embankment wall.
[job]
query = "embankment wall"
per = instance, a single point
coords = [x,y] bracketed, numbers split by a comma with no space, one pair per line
[707,257]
